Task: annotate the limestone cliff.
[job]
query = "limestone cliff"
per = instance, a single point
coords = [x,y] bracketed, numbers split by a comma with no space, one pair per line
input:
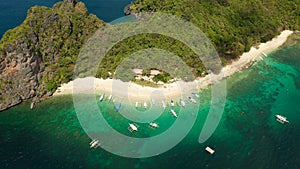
[38,55]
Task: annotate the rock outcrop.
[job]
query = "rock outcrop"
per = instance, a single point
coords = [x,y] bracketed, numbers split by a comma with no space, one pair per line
[38,55]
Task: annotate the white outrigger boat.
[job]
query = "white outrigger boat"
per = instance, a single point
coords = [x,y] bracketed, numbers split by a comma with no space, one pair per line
[281,119]
[210,150]
[163,104]
[109,97]
[196,95]
[136,104]
[32,105]
[132,127]
[153,124]
[264,54]
[174,113]
[101,98]
[145,104]
[182,103]
[191,99]
[94,143]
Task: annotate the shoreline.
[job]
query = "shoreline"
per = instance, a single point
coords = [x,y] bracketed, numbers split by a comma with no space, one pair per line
[132,91]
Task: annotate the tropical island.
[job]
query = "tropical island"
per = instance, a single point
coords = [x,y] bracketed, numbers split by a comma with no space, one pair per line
[39,55]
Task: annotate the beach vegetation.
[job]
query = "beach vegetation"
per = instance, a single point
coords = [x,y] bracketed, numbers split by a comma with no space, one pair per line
[143,82]
[164,77]
[146,72]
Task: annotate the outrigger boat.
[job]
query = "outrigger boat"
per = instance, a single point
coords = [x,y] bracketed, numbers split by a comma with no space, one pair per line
[94,143]
[145,104]
[132,127]
[117,107]
[210,150]
[281,119]
[182,103]
[172,103]
[153,124]
[196,95]
[32,105]
[102,97]
[136,104]
[264,54]
[173,113]
[163,104]
[109,97]
[191,99]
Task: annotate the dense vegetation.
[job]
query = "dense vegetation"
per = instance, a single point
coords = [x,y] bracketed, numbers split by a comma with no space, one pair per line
[232,25]
[144,41]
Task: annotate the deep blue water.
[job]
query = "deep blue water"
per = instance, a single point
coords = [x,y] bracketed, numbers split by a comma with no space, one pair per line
[13,12]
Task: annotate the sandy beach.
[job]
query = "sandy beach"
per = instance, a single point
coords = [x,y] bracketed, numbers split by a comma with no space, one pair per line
[136,92]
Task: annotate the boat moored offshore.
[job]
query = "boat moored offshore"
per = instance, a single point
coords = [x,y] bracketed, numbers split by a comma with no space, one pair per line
[173,113]
[94,143]
[153,124]
[281,119]
[132,127]
[210,150]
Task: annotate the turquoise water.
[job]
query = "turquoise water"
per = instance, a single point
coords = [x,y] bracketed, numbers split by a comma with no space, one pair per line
[248,136]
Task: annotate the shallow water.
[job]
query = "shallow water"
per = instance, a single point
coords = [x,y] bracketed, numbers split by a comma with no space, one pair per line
[248,136]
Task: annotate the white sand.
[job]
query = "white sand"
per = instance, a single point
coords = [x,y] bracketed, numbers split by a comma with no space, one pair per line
[139,93]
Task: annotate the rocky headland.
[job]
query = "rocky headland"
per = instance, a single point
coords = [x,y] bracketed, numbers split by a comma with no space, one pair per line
[38,55]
